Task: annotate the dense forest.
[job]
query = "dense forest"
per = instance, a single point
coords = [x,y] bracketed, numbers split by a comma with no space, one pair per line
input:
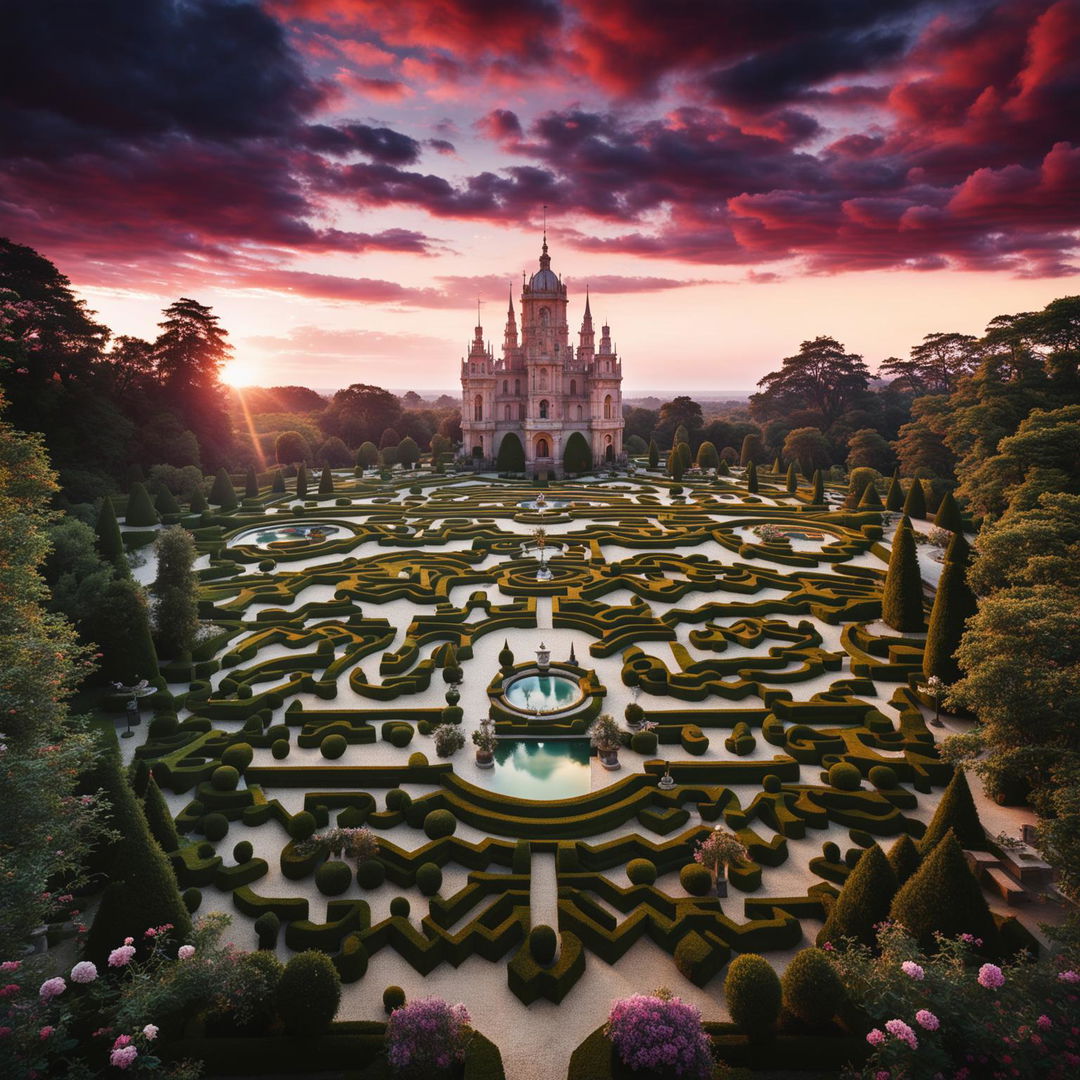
[986,426]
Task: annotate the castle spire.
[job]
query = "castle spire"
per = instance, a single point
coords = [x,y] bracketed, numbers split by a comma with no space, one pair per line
[510,338]
[586,338]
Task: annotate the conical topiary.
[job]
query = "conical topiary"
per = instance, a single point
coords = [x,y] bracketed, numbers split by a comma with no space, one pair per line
[901,600]
[894,500]
[817,496]
[959,550]
[954,604]
[791,481]
[110,543]
[277,482]
[301,481]
[166,503]
[777,466]
[506,656]
[198,502]
[326,481]
[943,896]
[222,492]
[140,510]
[904,858]
[863,901]
[654,454]
[251,484]
[870,499]
[956,813]
[158,817]
[948,514]
[751,479]
[915,502]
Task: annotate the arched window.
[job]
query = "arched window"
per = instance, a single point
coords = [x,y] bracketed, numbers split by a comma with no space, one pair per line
[579,412]
[545,316]
[478,408]
[506,414]
[517,386]
[544,409]
[521,410]
[542,449]
[607,407]
[506,383]
[573,387]
[543,378]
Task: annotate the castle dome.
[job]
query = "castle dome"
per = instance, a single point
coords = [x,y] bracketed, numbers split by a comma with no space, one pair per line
[545,279]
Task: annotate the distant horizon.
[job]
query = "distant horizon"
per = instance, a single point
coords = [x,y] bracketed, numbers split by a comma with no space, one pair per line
[428,392]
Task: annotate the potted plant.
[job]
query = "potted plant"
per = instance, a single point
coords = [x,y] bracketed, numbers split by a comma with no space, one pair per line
[448,740]
[604,734]
[634,715]
[485,741]
[717,852]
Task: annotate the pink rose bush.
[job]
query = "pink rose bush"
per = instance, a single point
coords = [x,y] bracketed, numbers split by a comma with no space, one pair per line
[945,1016]
[662,1033]
[427,1036]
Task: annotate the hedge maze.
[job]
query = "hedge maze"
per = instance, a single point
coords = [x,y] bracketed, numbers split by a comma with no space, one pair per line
[775,700]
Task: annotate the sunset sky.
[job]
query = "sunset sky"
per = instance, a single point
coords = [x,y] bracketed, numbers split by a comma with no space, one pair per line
[342,179]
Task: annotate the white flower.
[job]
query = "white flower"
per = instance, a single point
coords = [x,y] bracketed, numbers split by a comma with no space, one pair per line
[185,952]
[150,1031]
[84,972]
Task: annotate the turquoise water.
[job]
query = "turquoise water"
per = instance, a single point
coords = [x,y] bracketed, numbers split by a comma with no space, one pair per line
[273,534]
[546,693]
[548,504]
[540,769]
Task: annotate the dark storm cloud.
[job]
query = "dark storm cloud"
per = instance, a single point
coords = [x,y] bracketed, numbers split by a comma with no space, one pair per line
[379,143]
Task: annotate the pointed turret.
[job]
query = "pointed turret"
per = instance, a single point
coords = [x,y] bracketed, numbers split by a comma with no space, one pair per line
[510,337]
[586,338]
[605,340]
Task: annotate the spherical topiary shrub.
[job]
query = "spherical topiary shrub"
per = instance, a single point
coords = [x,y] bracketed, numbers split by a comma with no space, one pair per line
[429,878]
[393,997]
[883,777]
[333,746]
[280,749]
[204,850]
[452,714]
[161,727]
[215,826]
[400,907]
[309,993]
[243,851]
[641,872]
[845,776]
[633,713]
[267,927]
[267,565]
[396,799]
[812,990]
[370,874]
[771,783]
[543,944]
[830,851]
[417,759]
[301,825]
[244,692]
[753,994]
[333,878]
[695,879]
[643,742]
[192,899]
[225,778]
[238,755]
[399,735]
[439,823]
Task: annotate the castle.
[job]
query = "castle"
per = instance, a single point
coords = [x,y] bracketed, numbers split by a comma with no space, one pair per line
[543,409]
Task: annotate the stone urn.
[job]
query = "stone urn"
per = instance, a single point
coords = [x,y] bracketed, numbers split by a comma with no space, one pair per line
[485,759]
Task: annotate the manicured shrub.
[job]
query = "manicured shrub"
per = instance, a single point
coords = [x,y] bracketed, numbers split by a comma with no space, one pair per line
[302,825]
[883,777]
[863,902]
[159,817]
[427,1037]
[830,851]
[452,714]
[279,748]
[954,604]
[948,514]
[396,799]
[268,926]
[400,907]
[439,823]
[215,826]
[845,776]
[641,872]
[238,755]
[224,778]
[333,878]
[140,510]
[811,989]
[333,746]
[901,600]
[753,994]
[163,725]
[222,492]
[904,858]
[915,501]
[192,899]
[242,851]
[543,944]
[955,813]
[110,542]
[326,481]
[301,481]
[752,478]
[429,878]
[852,856]
[633,713]
[771,783]
[418,759]
[308,994]
[370,874]
[393,997]
[943,896]
[694,741]
[696,879]
[643,742]
[399,735]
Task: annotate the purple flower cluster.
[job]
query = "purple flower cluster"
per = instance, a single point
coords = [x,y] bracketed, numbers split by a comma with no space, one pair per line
[661,1033]
[427,1035]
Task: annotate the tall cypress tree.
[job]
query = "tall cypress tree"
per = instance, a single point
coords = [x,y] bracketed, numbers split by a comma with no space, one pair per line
[222,492]
[301,481]
[251,484]
[863,902]
[140,510]
[110,543]
[948,514]
[954,604]
[176,605]
[817,496]
[894,501]
[277,482]
[326,481]
[901,600]
[654,454]
[751,478]
[915,503]
[792,479]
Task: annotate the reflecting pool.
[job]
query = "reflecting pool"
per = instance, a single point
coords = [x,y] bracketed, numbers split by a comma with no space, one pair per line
[542,693]
[540,768]
[266,535]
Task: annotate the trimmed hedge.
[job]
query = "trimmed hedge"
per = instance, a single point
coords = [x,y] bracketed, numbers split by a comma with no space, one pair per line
[308,994]
[753,994]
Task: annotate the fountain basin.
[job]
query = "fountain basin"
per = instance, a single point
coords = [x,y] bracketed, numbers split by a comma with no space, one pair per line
[544,769]
[266,536]
[536,693]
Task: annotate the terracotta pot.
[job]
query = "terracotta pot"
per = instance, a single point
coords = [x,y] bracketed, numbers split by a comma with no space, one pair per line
[485,759]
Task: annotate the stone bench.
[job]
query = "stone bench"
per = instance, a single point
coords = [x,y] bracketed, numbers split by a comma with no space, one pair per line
[1012,892]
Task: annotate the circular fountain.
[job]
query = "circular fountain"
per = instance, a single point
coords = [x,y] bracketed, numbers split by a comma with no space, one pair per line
[299,532]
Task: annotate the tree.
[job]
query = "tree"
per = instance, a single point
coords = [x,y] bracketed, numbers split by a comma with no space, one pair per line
[110,543]
[301,481]
[681,436]
[866,447]
[675,464]
[935,365]
[809,447]
[389,438]
[682,411]
[120,624]
[901,601]
[175,590]
[577,457]
[707,457]
[822,378]
[251,484]
[511,457]
[751,479]
[752,449]
[654,454]
[863,902]
[915,500]
[954,604]
[140,510]
[408,452]
[290,448]
[335,453]
[326,481]
[955,813]
[367,457]
[222,492]
[361,412]
[920,444]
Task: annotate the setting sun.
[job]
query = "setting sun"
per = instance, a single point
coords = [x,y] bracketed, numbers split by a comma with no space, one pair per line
[240,371]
